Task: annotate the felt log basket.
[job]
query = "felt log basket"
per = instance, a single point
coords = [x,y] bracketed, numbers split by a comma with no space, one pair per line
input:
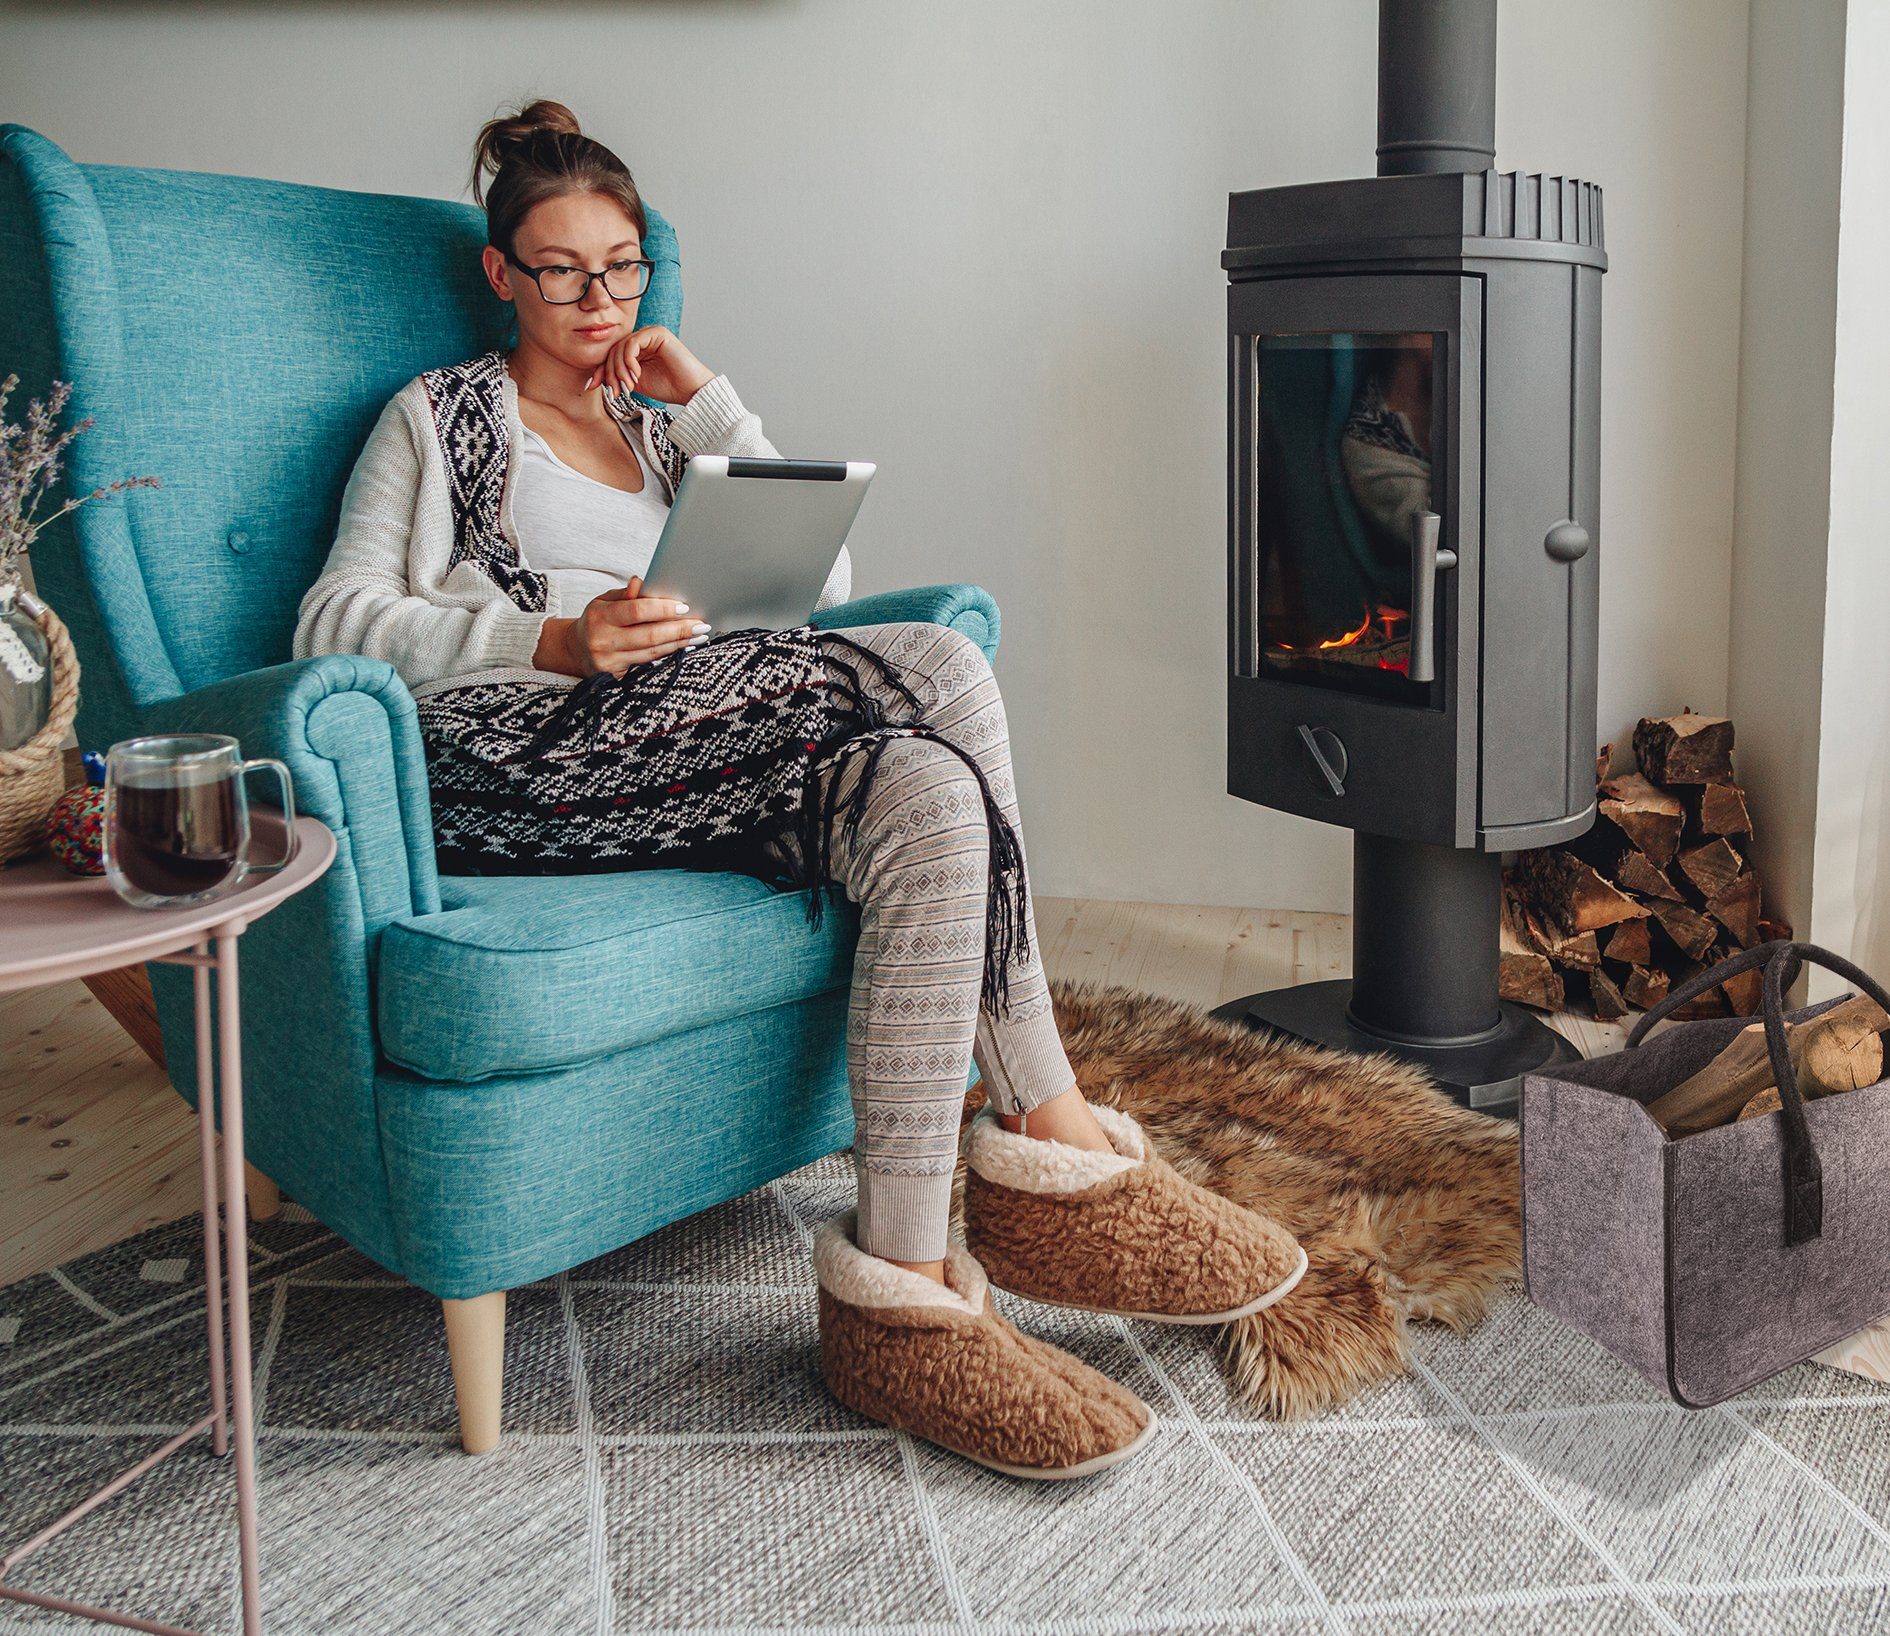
[1708,1262]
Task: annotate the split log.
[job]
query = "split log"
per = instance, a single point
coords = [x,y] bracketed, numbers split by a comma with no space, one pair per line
[1646,987]
[1630,943]
[1650,818]
[1742,992]
[1692,931]
[1580,952]
[1524,973]
[1637,873]
[1717,809]
[1737,909]
[1712,1003]
[1774,927]
[1824,1066]
[1684,749]
[1609,1003]
[1712,868]
[1568,894]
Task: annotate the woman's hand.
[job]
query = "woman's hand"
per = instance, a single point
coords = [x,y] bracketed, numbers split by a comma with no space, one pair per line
[617,630]
[651,361]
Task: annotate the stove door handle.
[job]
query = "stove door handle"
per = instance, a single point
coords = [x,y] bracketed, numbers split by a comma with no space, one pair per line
[1428,558]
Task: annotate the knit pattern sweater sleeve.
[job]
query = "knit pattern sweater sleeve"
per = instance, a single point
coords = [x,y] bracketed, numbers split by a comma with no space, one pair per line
[391,588]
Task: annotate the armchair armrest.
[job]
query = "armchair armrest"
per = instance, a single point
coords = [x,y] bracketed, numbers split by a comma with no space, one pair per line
[346,728]
[966,608]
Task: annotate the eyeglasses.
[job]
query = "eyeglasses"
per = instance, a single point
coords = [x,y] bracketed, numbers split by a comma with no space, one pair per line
[563,286]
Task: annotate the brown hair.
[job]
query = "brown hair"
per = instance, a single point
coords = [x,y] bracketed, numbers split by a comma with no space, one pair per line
[539,153]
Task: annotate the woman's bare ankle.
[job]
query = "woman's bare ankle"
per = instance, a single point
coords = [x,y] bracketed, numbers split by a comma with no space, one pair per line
[1064,1118]
[934,1270]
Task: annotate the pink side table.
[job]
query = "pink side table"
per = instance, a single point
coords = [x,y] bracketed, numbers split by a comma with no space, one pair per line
[54,926]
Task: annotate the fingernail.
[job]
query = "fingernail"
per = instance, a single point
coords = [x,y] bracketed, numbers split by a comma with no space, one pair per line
[682,607]
[703,629]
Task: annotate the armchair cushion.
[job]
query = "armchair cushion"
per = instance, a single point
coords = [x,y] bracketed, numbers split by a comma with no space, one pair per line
[526,974]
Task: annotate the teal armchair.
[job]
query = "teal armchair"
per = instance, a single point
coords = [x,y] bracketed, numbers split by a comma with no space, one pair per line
[478,1082]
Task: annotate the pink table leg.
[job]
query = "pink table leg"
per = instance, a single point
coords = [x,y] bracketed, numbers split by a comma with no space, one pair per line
[207,1159]
[228,1067]
[235,1216]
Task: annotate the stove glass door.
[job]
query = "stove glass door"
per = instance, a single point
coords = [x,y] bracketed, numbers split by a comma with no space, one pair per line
[1346,424]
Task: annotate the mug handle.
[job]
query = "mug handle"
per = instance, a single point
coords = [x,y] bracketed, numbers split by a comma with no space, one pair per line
[270,764]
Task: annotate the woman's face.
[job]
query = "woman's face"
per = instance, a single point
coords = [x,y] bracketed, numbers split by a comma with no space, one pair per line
[588,230]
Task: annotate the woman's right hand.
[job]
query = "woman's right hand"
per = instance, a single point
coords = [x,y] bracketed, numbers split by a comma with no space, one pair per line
[619,629]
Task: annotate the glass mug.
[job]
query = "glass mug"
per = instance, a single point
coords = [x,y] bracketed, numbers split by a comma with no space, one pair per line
[177,818]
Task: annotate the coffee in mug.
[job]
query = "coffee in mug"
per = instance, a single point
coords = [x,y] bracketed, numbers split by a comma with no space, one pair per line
[177,826]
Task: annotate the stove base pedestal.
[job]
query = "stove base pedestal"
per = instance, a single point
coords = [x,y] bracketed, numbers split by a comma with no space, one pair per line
[1485,1075]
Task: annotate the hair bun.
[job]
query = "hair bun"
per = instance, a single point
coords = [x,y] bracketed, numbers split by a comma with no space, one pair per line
[518,133]
[540,116]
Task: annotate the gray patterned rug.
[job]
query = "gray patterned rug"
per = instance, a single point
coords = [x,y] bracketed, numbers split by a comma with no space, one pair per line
[672,1462]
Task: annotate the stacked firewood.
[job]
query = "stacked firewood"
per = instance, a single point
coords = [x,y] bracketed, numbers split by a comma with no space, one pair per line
[1660,887]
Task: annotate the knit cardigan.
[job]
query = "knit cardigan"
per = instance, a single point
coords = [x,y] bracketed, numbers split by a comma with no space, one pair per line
[427,571]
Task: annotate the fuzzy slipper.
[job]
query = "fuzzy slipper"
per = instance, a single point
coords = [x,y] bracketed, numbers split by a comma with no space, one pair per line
[1121,1232]
[940,1363]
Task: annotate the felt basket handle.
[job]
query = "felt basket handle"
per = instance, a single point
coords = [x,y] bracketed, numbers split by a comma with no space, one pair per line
[1781,958]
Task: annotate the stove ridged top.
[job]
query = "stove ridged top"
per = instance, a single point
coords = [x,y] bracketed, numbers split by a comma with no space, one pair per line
[1450,218]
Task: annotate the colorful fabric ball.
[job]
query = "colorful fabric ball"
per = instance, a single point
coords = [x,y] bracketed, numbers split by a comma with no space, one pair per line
[76,830]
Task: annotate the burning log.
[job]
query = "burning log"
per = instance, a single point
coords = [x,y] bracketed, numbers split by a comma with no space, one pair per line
[1661,886]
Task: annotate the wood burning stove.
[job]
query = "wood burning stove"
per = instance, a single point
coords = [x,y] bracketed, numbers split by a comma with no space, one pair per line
[1414,489]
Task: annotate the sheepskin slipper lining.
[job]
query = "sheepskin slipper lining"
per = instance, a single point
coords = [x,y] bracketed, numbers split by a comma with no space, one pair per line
[1410,1207]
[940,1363]
[1118,1232]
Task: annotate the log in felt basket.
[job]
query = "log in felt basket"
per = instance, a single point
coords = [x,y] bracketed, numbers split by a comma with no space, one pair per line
[1708,1261]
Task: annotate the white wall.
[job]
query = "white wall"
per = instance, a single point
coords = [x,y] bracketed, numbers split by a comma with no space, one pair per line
[979,242]
[1850,898]
[1794,132]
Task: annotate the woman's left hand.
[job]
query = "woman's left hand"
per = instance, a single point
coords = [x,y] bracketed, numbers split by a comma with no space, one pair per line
[651,361]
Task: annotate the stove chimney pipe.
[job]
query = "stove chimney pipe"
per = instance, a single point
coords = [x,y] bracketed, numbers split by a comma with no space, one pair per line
[1436,86]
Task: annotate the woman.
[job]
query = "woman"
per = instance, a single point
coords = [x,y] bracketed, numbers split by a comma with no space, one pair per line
[491,543]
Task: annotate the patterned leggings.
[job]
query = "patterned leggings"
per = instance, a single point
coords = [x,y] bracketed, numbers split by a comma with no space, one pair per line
[917,867]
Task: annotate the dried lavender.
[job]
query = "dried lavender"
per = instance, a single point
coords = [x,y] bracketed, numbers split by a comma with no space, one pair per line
[31,456]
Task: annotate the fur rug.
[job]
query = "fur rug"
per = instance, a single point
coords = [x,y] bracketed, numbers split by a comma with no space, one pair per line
[1408,1206]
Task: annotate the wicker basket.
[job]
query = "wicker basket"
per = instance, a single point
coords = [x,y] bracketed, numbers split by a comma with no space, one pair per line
[32,778]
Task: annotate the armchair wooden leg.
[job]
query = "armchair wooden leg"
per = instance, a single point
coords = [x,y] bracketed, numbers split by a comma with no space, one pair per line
[265,1198]
[475,1344]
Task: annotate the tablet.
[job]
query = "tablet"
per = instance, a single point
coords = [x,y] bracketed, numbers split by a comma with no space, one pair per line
[751,542]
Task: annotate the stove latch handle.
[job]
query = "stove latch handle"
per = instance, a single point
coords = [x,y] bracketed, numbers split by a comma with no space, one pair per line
[1328,755]
[1428,558]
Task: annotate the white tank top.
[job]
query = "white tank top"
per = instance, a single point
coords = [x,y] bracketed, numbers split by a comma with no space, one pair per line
[584,536]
